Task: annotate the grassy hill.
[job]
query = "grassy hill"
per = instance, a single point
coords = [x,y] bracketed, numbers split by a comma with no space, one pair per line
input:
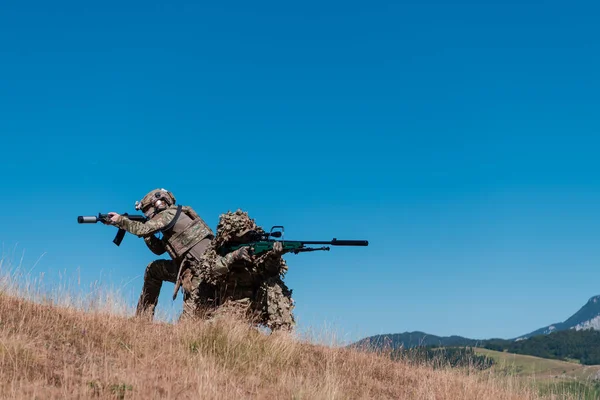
[61,352]
[551,376]
[565,345]
[525,365]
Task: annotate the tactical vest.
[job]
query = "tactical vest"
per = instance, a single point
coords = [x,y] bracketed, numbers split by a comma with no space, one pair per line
[188,231]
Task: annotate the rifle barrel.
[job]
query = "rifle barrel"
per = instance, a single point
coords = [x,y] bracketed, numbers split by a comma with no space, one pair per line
[336,242]
[87,219]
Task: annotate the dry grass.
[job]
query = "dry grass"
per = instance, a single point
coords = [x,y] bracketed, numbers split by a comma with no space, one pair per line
[59,351]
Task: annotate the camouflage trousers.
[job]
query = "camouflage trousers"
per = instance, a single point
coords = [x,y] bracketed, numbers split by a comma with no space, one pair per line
[270,304]
[159,271]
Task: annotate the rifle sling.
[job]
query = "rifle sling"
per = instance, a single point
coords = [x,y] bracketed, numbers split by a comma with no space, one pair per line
[173,221]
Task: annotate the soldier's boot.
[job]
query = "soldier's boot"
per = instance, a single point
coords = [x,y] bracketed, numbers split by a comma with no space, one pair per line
[223,264]
[156,272]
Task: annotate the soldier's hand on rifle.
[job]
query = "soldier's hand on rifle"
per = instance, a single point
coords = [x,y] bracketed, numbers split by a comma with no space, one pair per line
[113,217]
[278,248]
[244,254]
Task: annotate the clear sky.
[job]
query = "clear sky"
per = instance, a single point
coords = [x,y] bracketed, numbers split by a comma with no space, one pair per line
[460,138]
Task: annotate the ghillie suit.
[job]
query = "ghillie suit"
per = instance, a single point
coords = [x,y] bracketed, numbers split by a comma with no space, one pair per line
[254,287]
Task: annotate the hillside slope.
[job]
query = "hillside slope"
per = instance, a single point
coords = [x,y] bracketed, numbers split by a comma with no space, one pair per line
[541,368]
[49,352]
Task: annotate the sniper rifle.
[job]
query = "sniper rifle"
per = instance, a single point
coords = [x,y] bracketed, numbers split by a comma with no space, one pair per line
[261,242]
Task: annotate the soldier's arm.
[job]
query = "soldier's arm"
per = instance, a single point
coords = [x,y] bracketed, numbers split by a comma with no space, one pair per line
[143,229]
[155,245]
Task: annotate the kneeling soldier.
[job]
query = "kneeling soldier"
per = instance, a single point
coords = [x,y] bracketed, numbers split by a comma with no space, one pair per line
[185,236]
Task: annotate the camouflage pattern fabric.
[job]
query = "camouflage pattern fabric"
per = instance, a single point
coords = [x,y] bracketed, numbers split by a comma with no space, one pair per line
[159,271]
[150,227]
[256,288]
[185,242]
[186,233]
[156,272]
[190,282]
[275,302]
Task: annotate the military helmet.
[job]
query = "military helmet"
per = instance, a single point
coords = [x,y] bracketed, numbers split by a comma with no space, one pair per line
[156,199]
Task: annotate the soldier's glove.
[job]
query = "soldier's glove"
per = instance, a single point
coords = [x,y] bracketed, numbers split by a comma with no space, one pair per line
[238,255]
[113,218]
[223,264]
[278,249]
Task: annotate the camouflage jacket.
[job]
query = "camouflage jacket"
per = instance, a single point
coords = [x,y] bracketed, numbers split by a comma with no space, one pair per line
[189,230]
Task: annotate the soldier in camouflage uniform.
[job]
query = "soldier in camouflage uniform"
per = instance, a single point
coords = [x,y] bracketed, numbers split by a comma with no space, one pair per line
[242,280]
[185,237]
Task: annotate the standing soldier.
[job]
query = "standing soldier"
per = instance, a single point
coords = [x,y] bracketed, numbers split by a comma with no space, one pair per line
[185,236]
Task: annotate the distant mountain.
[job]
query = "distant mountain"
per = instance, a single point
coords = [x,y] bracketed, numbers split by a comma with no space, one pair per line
[582,345]
[410,340]
[588,317]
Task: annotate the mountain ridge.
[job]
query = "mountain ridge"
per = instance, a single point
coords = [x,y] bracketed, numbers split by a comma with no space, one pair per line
[587,317]
[412,339]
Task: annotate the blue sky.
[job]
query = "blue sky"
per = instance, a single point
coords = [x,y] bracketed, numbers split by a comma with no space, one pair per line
[459,138]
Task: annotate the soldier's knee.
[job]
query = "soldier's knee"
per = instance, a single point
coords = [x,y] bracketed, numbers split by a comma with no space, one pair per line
[153,270]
